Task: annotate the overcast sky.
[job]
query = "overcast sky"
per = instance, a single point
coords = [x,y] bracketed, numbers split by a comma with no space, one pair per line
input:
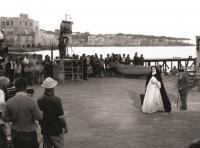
[178,18]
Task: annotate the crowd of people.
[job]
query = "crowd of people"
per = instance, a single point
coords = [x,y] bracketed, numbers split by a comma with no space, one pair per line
[35,70]
[99,66]
[28,67]
[106,66]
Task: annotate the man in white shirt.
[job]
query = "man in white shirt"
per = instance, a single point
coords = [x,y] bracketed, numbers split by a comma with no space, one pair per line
[123,59]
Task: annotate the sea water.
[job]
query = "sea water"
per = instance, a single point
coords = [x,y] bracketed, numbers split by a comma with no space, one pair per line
[148,52]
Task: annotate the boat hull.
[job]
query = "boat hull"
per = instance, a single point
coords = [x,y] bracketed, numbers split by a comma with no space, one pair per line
[133,70]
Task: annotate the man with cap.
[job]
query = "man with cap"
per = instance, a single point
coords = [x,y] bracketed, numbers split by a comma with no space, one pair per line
[53,124]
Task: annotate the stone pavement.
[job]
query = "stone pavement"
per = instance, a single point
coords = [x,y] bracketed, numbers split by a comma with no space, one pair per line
[105,112]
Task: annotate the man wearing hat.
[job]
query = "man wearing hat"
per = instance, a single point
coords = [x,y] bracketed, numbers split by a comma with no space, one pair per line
[53,123]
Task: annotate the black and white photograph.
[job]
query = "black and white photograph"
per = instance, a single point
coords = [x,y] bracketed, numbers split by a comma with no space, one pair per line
[100,74]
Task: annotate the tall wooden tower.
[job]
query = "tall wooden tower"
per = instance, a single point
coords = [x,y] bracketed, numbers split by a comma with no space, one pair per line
[64,38]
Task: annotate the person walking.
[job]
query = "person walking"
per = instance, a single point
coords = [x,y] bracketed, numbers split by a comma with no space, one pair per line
[183,88]
[53,124]
[156,98]
[22,111]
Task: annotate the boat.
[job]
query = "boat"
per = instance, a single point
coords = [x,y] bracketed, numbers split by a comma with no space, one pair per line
[131,70]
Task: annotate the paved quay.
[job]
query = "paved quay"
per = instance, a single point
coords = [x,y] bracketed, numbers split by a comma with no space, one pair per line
[105,113]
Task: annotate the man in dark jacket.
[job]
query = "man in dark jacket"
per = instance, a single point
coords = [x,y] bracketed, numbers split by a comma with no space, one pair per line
[141,59]
[48,67]
[136,59]
[10,70]
[84,65]
[183,88]
[53,123]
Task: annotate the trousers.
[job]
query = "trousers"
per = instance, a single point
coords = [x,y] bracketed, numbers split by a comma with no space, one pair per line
[183,98]
[24,139]
[54,141]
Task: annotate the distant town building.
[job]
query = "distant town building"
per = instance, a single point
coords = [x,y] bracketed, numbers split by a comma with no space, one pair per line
[47,39]
[20,31]
[24,32]
[134,40]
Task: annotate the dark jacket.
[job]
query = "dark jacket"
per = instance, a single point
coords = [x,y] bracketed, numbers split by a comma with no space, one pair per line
[183,83]
[51,107]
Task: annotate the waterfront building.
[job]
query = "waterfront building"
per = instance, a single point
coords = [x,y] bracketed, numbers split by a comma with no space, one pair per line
[23,32]
[91,40]
[47,39]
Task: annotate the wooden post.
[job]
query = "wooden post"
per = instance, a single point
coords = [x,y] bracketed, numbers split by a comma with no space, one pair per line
[171,65]
[178,65]
[165,67]
[52,52]
[186,63]
[67,50]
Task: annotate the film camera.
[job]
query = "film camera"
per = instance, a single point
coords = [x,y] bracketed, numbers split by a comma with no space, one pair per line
[12,91]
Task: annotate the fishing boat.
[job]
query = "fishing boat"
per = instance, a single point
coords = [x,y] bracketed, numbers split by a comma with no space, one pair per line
[131,70]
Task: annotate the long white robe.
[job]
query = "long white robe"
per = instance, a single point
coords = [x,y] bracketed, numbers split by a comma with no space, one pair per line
[153,100]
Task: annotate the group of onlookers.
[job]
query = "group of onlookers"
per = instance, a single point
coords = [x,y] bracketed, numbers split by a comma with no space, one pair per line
[28,67]
[76,66]
[23,110]
[99,66]
[31,68]
[34,70]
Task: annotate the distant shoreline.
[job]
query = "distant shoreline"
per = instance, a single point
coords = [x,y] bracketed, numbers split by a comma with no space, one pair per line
[56,48]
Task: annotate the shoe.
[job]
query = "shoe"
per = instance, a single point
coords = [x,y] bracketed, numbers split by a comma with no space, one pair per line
[182,109]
